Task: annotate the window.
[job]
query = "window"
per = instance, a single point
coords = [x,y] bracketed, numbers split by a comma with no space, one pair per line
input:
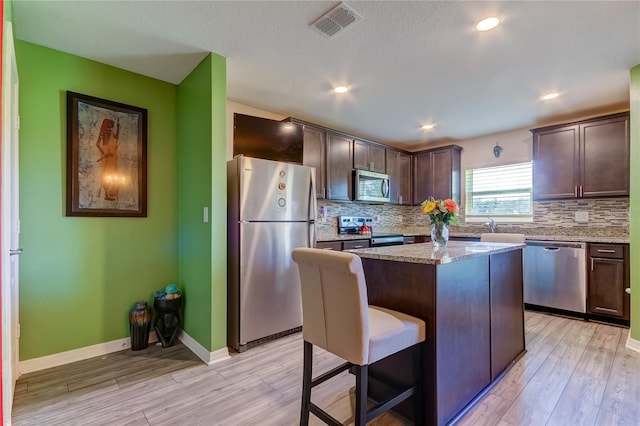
[501,192]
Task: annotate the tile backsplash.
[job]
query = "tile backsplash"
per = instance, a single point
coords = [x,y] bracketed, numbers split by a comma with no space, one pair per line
[605,216]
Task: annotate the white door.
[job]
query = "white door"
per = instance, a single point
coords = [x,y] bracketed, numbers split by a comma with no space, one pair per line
[10,224]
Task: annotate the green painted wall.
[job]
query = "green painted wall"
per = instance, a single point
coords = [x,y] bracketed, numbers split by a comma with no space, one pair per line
[194,193]
[80,276]
[8,10]
[202,183]
[218,212]
[634,202]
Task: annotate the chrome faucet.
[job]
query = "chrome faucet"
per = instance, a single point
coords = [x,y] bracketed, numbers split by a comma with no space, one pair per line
[492,225]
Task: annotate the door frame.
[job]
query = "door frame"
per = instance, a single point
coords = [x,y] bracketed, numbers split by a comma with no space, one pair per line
[10,222]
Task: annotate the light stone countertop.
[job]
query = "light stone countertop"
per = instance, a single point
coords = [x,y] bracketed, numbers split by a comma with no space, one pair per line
[570,238]
[546,237]
[343,237]
[455,251]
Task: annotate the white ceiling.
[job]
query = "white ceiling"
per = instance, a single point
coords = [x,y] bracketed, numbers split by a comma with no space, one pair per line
[407,62]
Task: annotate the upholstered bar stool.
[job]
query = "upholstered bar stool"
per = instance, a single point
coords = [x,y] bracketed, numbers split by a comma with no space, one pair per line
[337,317]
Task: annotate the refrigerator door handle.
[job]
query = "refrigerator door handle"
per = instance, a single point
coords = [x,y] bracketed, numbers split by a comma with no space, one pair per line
[312,198]
[312,235]
[313,207]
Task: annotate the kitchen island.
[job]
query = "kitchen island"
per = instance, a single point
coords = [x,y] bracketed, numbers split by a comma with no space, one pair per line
[470,296]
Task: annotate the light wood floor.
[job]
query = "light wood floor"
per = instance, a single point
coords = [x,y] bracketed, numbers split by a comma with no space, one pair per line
[574,373]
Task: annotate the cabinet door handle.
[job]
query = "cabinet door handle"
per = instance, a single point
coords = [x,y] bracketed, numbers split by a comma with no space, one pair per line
[627,290]
[592,264]
[581,191]
[575,192]
[358,247]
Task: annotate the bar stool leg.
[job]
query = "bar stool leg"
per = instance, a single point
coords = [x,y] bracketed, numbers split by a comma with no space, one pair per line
[306,383]
[362,376]
[418,396]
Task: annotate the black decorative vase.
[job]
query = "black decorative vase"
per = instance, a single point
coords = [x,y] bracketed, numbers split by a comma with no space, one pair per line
[168,320]
[139,324]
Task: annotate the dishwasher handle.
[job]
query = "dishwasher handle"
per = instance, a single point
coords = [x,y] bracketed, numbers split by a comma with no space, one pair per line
[551,248]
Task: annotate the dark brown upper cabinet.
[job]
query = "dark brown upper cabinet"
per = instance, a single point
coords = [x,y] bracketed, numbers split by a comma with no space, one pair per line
[436,173]
[368,156]
[314,154]
[399,171]
[584,159]
[339,167]
[331,154]
[268,139]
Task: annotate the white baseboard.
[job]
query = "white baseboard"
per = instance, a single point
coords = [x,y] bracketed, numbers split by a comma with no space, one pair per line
[632,344]
[202,352]
[100,349]
[74,355]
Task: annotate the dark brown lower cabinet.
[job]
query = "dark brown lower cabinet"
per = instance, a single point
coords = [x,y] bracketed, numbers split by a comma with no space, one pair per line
[609,280]
[507,320]
[342,245]
[416,239]
[474,319]
[329,245]
[355,244]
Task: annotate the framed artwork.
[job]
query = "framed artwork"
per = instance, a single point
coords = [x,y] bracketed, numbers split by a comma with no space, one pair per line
[106,158]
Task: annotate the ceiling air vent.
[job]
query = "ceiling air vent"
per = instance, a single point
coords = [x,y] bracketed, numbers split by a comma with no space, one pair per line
[336,20]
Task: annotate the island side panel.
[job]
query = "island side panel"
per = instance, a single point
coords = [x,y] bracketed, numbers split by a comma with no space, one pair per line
[507,310]
[408,288]
[463,341]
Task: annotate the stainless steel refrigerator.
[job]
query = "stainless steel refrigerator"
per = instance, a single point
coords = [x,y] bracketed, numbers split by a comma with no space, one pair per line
[271,211]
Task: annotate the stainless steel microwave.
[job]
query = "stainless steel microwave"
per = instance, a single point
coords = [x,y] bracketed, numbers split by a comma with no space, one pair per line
[370,186]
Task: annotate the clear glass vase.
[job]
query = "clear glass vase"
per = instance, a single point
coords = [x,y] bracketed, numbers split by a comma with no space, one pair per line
[439,235]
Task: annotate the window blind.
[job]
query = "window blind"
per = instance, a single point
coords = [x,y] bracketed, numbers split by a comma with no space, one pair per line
[499,191]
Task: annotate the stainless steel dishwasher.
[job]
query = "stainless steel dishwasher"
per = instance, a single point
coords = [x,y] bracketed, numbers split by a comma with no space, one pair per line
[555,275]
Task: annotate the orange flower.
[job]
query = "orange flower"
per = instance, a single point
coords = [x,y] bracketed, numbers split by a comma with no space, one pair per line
[440,211]
[450,205]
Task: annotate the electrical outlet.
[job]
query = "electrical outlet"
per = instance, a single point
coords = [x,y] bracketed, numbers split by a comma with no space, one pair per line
[581,216]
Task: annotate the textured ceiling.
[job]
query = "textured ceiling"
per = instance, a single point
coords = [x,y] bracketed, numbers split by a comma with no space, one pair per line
[407,63]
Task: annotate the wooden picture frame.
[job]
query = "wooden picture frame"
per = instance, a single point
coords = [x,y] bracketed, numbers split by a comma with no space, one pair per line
[106,158]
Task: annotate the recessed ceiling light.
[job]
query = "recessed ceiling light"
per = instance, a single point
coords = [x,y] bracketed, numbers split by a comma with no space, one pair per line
[341,89]
[549,96]
[428,126]
[487,24]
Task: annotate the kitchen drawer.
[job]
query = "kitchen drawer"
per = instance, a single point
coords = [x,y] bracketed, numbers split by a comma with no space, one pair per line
[355,244]
[464,239]
[611,251]
[416,239]
[329,245]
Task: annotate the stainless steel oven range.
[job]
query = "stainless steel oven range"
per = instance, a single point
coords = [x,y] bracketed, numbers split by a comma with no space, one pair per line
[354,224]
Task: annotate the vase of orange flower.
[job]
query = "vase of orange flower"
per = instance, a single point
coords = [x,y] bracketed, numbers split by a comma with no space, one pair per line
[441,214]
